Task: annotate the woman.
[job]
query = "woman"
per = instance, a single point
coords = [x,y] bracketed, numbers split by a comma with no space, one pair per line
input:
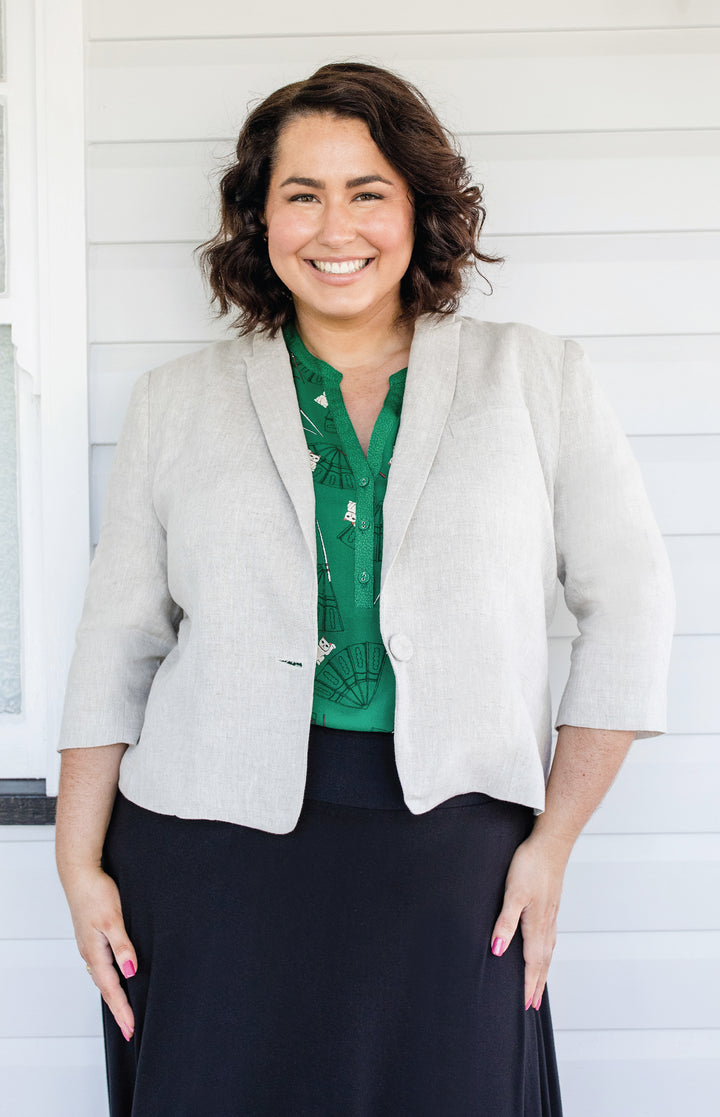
[350,521]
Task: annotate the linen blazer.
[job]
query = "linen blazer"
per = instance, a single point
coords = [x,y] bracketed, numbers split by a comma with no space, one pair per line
[510,475]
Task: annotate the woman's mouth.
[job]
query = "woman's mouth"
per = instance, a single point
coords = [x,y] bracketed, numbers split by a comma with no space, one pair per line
[339,267]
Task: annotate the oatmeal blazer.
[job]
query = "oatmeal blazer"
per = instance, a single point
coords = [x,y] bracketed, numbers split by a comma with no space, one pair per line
[510,477]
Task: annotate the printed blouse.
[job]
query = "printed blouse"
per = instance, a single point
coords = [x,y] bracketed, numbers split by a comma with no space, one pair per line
[354,680]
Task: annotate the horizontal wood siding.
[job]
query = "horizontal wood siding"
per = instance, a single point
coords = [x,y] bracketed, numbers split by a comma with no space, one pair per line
[168,19]
[553,82]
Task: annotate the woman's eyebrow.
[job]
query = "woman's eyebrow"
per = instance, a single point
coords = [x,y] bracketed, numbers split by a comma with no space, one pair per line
[351,184]
[299,181]
[365,180]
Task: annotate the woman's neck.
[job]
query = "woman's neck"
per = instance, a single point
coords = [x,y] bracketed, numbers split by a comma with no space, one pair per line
[356,349]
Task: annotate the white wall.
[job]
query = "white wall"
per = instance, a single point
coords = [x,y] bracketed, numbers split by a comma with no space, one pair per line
[596,129]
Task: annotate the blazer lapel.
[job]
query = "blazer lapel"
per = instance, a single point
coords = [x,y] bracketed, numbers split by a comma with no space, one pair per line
[429,391]
[272,389]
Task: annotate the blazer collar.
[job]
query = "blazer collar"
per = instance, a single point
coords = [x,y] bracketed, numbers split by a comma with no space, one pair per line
[429,390]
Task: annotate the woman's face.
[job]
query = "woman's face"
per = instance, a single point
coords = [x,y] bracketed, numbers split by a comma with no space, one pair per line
[339,221]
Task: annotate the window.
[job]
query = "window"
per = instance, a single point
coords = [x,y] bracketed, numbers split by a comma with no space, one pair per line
[44,537]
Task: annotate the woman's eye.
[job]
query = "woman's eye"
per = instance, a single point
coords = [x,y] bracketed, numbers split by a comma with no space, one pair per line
[303,198]
[366,196]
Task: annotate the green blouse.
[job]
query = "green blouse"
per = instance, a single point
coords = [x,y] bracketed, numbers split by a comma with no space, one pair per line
[354,680]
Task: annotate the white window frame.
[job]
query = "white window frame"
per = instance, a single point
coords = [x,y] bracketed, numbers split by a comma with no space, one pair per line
[46,307]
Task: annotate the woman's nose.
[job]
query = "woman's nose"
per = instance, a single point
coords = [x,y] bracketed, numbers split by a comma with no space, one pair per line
[337,227]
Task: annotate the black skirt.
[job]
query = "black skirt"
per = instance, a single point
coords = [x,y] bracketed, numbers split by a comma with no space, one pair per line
[341,970]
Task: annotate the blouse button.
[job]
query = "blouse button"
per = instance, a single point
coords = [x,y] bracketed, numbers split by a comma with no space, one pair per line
[364,481]
[363,578]
[363,525]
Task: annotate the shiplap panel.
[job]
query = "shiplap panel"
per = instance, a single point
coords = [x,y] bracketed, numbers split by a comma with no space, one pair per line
[682,797]
[53,1077]
[660,385]
[169,192]
[631,882]
[636,1073]
[675,749]
[586,194]
[628,994]
[478,83]
[635,946]
[694,696]
[672,849]
[657,385]
[693,704]
[625,1084]
[154,191]
[653,1043]
[574,285]
[33,902]
[148,293]
[25,834]
[604,284]
[665,397]
[173,18]
[45,990]
[682,477]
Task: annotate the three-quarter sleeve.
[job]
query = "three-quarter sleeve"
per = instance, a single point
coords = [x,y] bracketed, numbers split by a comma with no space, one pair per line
[613,566]
[128,621]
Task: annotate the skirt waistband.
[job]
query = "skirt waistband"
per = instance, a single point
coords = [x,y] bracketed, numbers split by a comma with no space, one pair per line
[357,769]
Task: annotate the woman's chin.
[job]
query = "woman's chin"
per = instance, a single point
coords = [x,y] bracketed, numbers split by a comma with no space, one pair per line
[343,305]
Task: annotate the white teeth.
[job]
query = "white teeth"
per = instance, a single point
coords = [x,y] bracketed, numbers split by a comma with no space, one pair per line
[342,267]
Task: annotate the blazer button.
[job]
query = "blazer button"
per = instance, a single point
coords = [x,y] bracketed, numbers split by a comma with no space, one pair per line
[401,646]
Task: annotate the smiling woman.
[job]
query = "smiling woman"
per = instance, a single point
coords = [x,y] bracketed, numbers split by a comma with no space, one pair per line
[316,867]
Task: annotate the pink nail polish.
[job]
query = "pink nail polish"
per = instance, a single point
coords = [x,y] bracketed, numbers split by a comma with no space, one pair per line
[537,1006]
[498,947]
[127,1032]
[128,969]
[527,1006]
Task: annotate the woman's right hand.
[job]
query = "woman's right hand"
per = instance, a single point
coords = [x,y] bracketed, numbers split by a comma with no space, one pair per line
[88,786]
[101,937]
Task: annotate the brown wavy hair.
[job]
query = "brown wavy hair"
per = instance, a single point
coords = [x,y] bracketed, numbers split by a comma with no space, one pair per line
[449,213]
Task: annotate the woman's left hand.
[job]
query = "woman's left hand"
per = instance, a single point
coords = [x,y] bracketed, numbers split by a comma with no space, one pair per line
[584,765]
[532,898]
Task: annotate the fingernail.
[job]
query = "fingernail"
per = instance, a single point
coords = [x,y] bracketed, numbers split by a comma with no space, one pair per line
[127,1032]
[498,947]
[128,969]
[537,1006]
[527,1006]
